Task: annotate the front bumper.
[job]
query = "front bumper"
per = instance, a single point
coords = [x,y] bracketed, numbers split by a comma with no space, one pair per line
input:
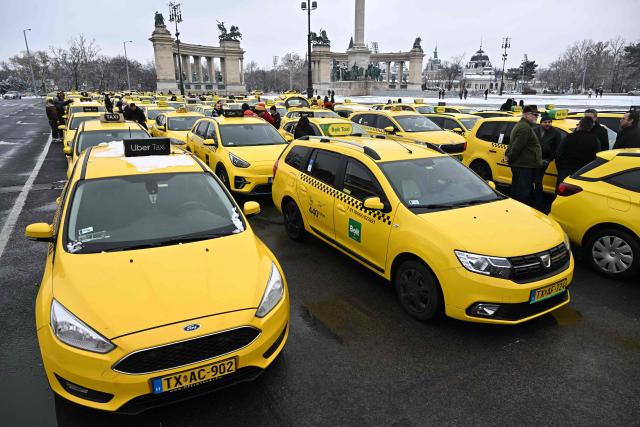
[132,393]
[463,290]
[252,180]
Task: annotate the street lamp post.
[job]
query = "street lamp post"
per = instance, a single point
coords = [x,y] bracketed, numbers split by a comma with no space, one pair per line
[290,62]
[33,77]
[275,73]
[506,44]
[126,63]
[175,15]
[308,6]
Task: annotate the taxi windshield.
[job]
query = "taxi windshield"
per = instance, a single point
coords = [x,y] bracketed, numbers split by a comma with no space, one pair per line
[436,183]
[416,124]
[423,109]
[469,123]
[182,123]
[93,138]
[75,122]
[358,130]
[246,135]
[152,114]
[148,210]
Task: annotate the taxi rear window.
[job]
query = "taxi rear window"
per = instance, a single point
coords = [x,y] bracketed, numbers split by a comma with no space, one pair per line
[75,122]
[182,123]
[91,139]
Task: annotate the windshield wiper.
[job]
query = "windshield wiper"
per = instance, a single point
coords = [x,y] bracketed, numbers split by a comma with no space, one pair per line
[171,241]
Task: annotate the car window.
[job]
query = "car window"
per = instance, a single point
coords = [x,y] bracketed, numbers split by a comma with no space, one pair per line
[469,122]
[424,109]
[437,120]
[324,166]
[610,122]
[298,156]
[160,120]
[629,180]
[359,182]
[365,120]
[201,128]
[504,132]
[488,132]
[211,132]
[253,134]
[182,123]
[384,122]
[75,122]
[450,124]
[417,123]
[290,127]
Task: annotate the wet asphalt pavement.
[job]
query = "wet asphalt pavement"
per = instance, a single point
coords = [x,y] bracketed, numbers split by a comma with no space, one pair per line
[353,356]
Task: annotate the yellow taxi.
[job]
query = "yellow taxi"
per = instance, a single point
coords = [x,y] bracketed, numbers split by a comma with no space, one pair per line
[174,125]
[347,108]
[410,125]
[323,126]
[83,107]
[599,208]
[296,113]
[487,114]
[460,109]
[241,150]
[151,111]
[488,141]
[418,106]
[122,325]
[292,99]
[425,222]
[69,129]
[108,127]
[205,110]
[454,122]
[609,119]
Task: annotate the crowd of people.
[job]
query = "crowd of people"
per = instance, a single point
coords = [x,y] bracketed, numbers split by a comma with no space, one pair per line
[532,148]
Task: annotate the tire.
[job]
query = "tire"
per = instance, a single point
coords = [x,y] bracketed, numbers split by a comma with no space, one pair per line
[482,169]
[222,174]
[614,253]
[293,221]
[418,290]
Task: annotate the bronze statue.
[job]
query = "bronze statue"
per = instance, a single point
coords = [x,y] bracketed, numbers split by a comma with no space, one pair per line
[232,35]
[416,43]
[159,19]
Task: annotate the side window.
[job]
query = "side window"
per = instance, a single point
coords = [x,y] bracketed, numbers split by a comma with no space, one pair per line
[488,132]
[359,182]
[316,131]
[437,120]
[450,124]
[201,128]
[298,157]
[290,127]
[629,180]
[211,132]
[324,166]
[505,130]
[384,122]
[365,120]
[407,108]
[159,119]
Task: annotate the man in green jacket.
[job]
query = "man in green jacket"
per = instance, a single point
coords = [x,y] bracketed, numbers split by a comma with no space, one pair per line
[524,155]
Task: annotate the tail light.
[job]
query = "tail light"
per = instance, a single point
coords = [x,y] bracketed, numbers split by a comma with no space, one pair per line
[275,167]
[565,189]
[465,145]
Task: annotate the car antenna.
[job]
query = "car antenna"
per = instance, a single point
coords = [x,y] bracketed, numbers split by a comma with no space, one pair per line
[403,146]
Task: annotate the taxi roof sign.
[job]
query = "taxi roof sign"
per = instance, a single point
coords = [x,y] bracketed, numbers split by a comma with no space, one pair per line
[90,109]
[112,118]
[440,109]
[232,112]
[182,110]
[147,147]
[304,114]
[418,101]
[337,129]
[162,104]
[558,114]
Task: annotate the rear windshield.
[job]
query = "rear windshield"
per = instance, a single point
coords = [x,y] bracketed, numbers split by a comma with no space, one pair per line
[91,139]
[468,123]
[75,122]
[416,124]
[182,123]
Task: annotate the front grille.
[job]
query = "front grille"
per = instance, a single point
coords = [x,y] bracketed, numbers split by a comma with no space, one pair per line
[528,268]
[186,352]
[453,148]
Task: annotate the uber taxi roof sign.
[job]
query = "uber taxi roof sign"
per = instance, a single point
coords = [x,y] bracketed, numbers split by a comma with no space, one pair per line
[147,147]
[305,113]
[90,109]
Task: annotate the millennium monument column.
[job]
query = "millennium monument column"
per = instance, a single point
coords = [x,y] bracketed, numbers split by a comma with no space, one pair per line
[359,54]
[163,54]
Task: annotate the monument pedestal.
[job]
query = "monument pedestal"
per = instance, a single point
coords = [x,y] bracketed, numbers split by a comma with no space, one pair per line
[163,55]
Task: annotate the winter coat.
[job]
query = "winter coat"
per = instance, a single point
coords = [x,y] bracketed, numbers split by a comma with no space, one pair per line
[52,113]
[577,149]
[601,133]
[136,115]
[301,131]
[524,148]
[628,138]
[549,143]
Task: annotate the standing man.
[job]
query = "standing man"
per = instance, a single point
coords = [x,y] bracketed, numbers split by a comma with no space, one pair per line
[524,155]
[550,139]
[108,103]
[466,92]
[486,93]
[598,130]
[277,119]
[133,113]
[59,102]
[577,149]
[52,116]
[629,135]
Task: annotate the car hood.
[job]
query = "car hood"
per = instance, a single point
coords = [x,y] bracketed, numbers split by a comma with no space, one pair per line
[118,293]
[258,153]
[435,137]
[178,134]
[502,228]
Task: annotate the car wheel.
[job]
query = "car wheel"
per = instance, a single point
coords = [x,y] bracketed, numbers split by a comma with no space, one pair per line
[418,290]
[224,177]
[614,253]
[293,221]
[482,169]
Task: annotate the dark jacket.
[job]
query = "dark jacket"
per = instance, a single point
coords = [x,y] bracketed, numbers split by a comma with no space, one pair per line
[52,113]
[277,119]
[577,149]
[524,148]
[601,133]
[301,131]
[549,142]
[628,138]
[60,104]
[108,103]
[136,116]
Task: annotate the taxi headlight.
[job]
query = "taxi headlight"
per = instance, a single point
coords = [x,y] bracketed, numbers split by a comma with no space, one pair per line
[272,294]
[238,162]
[567,242]
[73,331]
[487,265]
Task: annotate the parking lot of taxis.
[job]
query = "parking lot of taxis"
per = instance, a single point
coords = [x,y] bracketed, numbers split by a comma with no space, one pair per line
[353,300]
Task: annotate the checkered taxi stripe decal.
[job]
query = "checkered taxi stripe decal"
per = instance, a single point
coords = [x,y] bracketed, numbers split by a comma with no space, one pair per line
[503,146]
[351,201]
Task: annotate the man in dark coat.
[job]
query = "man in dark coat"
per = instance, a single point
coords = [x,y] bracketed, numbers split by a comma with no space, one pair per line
[59,102]
[629,134]
[598,130]
[550,139]
[577,149]
[524,155]
[277,119]
[52,116]
[303,128]
[108,103]
[133,113]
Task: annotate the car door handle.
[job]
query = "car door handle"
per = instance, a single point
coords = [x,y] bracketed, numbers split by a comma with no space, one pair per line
[492,151]
[341,207]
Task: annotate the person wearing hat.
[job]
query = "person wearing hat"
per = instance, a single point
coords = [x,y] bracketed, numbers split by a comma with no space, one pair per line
[550,139]
[277,119]
[261,111]
[524,155]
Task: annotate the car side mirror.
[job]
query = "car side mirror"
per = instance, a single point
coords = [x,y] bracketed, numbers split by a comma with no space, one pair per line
[288,138]
[373,203]
[491,184]
[68,151]
[457,130]
[161,127]
[210,142]
[390,129]
[251,208]
[61,127]
[39,232]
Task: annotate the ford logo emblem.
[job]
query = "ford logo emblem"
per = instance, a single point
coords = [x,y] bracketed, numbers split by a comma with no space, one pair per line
[191,327]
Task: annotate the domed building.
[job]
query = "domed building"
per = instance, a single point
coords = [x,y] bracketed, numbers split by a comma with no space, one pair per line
[478,73]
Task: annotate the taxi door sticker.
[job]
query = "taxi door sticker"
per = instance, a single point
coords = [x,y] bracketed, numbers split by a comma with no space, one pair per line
[355,230]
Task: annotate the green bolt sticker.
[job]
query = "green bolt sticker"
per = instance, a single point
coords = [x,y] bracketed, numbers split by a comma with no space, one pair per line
[355,230]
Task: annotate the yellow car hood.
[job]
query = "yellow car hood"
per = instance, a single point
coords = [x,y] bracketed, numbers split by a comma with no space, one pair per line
[503,228]
[118,293]
[258,153]
[178,134]
[435,137]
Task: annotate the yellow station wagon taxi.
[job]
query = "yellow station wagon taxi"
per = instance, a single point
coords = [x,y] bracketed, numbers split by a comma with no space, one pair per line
[599,208]
[144,300]
[422,220]
[174,125]
[241,150]
[69,129]
[487,144]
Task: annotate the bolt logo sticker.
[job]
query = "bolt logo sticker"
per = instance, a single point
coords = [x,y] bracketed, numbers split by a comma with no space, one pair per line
[355,230]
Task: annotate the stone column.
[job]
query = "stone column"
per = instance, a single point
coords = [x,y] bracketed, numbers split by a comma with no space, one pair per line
[189,70]
[231,65]
[359,24]
[197,63]
[210,70]
[415,68]
[163,55]
[388,71]
[241,71]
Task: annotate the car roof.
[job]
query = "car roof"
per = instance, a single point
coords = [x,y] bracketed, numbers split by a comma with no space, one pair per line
[85,114]
[107,160]
[245,120]
[454,115]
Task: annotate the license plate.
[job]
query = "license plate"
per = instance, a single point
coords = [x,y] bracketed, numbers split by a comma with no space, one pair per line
[193,376]
[548,291]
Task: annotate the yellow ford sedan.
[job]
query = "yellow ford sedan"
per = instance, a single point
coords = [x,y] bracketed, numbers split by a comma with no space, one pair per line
[144,299]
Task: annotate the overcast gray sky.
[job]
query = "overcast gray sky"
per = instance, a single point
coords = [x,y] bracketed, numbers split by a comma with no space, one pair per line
[541,28]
